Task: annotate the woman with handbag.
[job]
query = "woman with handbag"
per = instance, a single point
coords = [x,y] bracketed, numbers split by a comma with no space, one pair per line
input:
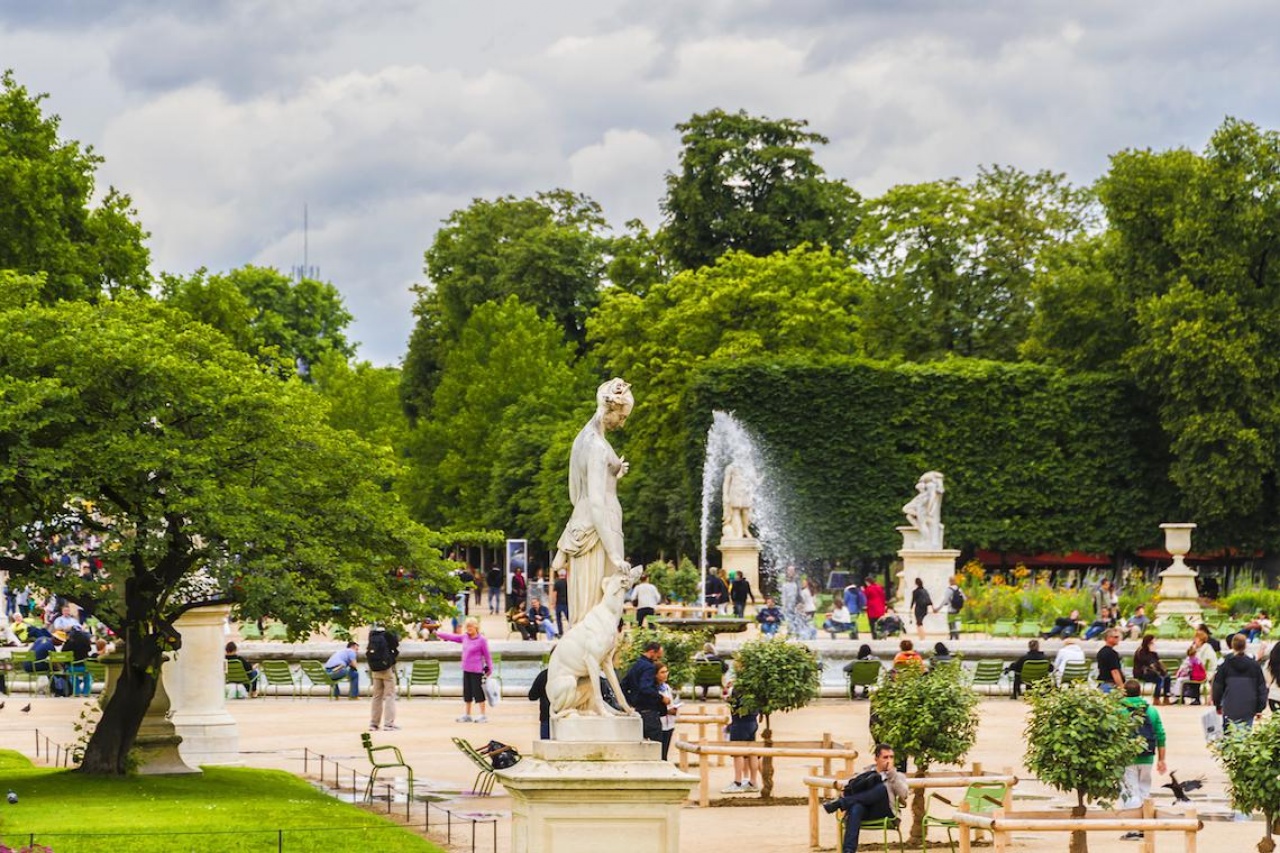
[477,663]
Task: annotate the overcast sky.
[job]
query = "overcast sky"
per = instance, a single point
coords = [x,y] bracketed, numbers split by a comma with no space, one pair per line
[223,117]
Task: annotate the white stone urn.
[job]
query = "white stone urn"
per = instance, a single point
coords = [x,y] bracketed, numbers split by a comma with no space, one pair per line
[1178,595]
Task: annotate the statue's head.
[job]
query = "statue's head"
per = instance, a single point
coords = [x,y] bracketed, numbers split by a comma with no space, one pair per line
[614,402]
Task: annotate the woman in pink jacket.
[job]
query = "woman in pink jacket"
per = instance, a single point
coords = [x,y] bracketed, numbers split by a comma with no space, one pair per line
[476,664]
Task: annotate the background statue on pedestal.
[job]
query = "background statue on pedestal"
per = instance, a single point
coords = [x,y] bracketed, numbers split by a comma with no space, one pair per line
[924,511]
[591,543]
[739,495]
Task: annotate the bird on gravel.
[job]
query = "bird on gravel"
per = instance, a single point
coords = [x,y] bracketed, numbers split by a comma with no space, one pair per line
[1180,789]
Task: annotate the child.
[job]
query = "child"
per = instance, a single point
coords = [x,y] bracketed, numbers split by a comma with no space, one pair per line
[1189,678]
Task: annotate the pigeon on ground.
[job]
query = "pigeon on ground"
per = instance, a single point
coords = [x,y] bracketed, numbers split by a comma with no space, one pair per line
[1180,789]
[1,706]
[25,708]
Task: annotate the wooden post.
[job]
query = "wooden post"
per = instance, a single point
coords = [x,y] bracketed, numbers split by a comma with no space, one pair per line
[826,762]
[704,774]
[813,812]
[999,838]
[1008,792]
[1148,836]
[964,829]
[702,730]
[1189,837]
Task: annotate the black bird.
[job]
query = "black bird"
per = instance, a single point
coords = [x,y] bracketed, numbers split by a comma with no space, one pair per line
[25,708]
[1,706]
[1180,789]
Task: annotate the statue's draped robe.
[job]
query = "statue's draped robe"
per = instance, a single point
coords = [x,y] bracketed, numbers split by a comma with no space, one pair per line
[592,540]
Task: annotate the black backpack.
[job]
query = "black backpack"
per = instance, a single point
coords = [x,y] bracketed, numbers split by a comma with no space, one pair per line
[957,599]
[1145,728]
[379,652]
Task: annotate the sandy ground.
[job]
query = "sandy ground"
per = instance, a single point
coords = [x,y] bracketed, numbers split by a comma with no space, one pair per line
[275,731]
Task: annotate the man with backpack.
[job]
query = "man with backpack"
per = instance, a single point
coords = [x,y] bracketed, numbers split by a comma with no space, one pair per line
[381,654]
[855,600]
[1137,776]
[953,599]
[640,688]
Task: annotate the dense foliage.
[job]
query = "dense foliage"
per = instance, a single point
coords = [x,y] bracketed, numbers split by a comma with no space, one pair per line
[772,676]
[1035,458]
[1249,756]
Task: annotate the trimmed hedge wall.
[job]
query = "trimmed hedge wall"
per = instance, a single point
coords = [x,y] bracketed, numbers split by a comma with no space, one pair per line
[1035,459]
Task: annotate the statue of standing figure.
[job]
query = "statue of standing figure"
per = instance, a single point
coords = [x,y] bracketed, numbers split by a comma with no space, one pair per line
[739,495]
[924,511]
[591,543]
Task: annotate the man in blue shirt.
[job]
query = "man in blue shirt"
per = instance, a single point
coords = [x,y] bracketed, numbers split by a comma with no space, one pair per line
[856,602]
[342,664]
[769,617]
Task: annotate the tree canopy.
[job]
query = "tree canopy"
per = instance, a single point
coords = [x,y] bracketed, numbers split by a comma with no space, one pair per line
[287,323]
[751,184]
[48,220]
[204,476]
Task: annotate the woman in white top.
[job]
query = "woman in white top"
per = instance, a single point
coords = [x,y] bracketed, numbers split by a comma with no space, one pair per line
[672,701]
[1071,652]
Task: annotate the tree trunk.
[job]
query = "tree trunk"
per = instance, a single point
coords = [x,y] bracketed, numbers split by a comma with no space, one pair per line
[917,811]
[766,763]
[107,753]
[1079,839]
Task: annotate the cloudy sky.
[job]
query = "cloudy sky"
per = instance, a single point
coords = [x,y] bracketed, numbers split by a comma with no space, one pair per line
[223,118]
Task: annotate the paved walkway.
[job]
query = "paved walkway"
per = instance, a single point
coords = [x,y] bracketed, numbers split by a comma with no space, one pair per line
[274,732]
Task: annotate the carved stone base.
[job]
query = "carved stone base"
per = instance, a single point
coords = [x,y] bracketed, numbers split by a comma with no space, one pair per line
[936,569]
[743,555]
[583,729]
[565,792]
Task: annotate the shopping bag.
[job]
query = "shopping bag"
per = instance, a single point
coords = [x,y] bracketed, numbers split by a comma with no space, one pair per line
[1211,722]
[493,690]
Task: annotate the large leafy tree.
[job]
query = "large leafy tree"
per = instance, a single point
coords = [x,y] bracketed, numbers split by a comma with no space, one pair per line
[48,221]
[205,476]
[800,302]
[548,250]
[508,386]
[751,184]
[267,313]
[951,265]
[364,399]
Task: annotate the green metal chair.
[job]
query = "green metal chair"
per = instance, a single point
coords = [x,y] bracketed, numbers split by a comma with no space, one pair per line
[316,673]
[278,674]
[380,765]
[19,658]
[1073,672]
[423,673]
[882,825]
[1029,628]
[1003,628]
[277,633]
[249,631]
[97,672]
[237,677]
[982,799]
[1035,671]
[482,785]
[989,674]
[864,674]
[60,663]
[708,674]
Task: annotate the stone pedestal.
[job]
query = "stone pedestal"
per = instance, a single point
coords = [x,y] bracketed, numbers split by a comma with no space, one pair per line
[743,555]
[197,685]
[936,568]
[1178,596]
[157,742]
[596,780]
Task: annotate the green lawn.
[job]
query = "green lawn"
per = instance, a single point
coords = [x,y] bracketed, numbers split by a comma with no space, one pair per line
[71,813]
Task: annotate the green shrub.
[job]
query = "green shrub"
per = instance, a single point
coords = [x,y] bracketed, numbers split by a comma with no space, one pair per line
[678,649]
[770,676]
[1247,602]
[1249,757]
[677,584]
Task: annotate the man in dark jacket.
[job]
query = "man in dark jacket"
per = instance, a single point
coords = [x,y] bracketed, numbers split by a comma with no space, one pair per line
[1239,688]
[1033,653]
[640,687]
[739,592]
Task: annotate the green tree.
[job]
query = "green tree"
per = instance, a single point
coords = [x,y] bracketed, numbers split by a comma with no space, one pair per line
[678,583]
[364,399]
[548,250]
[802,302]
[751,184]
[205,477]
[678,650]
[930,717]
[1080,740]
[951,265]
[508,385]
[266,313]
[771,677]
[1249,756]
[47,217]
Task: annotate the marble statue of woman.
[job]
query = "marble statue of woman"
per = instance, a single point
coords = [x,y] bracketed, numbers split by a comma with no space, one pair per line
[924,511]
[591,543]
[739,494]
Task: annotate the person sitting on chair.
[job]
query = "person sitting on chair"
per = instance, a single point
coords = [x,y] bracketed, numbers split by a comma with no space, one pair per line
[769,617]
[867,796]
[540,619]
[890,624]
[1065,626]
